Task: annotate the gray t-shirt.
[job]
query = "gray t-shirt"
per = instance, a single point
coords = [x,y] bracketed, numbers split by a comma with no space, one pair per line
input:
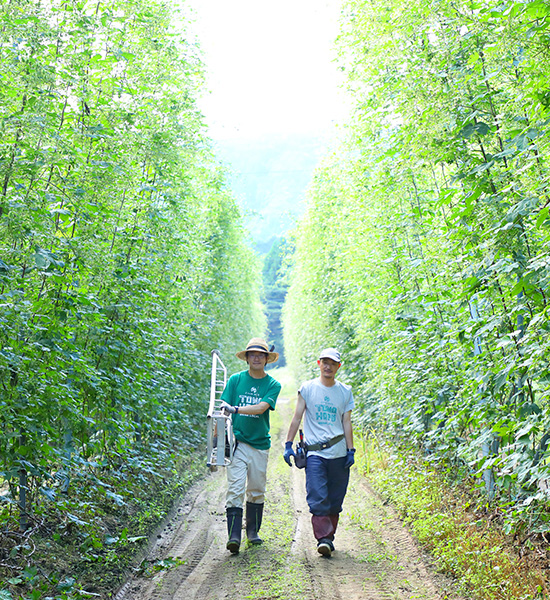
[325,408]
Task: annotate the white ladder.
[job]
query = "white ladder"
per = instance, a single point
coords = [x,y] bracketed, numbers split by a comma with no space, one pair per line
[220,438]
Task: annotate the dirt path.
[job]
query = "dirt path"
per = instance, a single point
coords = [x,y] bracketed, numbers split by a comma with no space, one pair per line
[375,558]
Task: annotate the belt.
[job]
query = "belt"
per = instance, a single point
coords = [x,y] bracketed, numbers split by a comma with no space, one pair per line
[323,445]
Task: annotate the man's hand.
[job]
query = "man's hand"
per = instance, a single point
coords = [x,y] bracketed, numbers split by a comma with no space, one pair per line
[228,408]
[288,453]
[350,458]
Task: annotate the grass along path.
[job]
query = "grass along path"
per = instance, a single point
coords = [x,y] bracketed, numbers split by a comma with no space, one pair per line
[454,523]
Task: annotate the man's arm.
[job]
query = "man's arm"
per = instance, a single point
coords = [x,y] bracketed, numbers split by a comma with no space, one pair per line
[296,419]
[348,430]
[254,409]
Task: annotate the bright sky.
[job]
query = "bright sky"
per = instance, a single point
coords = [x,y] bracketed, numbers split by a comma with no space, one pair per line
[270,66]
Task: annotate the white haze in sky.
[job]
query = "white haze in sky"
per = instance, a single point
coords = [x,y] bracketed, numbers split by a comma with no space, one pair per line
[270,66]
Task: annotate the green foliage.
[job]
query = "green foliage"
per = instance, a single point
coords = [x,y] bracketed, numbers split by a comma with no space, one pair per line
[149,568]
[424,251]
[123,259]
[91,536]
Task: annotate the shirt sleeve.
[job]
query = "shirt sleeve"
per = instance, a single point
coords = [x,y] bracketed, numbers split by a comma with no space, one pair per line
[272,394]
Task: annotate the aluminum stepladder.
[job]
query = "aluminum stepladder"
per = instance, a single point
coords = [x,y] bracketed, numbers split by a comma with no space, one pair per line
[220,438]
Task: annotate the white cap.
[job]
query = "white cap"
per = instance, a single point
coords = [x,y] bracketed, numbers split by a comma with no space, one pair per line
[330,353]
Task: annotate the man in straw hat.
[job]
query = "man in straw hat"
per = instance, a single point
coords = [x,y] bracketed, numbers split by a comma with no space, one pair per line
[326,405]
[249,396]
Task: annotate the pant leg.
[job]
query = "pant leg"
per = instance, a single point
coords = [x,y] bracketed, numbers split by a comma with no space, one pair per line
[257,475]
[322,527]
[236,479]
[338,477]
[317,485]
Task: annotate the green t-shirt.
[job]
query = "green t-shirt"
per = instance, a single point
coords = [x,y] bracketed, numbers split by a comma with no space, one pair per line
[244,390]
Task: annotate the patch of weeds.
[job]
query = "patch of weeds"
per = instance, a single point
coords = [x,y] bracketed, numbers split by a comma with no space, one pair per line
[149,568]
[377,557]
[272,575]
[472,550]
[287,584]
[359,517]
[381,579]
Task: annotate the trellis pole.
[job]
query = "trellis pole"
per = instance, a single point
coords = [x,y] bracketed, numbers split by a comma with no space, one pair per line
[488,448]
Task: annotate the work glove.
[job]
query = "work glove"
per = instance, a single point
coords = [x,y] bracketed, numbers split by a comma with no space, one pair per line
[288,453]
[350,458]
[228,408]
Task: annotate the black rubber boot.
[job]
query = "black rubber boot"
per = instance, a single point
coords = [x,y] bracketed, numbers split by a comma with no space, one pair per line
[254,513]
[234,526]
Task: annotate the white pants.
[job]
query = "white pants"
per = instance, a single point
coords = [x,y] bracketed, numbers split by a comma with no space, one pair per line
[248,464]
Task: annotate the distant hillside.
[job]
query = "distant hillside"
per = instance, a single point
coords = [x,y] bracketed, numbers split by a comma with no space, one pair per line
[269,177]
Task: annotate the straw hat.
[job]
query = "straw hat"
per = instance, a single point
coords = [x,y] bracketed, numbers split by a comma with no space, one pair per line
[258,345]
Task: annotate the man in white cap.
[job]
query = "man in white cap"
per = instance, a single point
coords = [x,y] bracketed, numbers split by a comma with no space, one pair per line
[327,405]
[249,396]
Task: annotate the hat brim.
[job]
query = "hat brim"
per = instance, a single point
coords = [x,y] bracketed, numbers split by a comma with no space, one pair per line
[271,356]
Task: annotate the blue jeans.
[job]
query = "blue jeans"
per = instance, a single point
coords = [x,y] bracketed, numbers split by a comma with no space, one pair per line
[326,484]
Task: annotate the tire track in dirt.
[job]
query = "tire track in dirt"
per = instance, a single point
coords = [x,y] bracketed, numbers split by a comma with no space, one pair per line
[361,567]
[194,537]
[376,558]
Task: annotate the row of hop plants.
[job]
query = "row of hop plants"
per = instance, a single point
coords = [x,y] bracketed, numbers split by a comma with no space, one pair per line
[123,258]
[424,251]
